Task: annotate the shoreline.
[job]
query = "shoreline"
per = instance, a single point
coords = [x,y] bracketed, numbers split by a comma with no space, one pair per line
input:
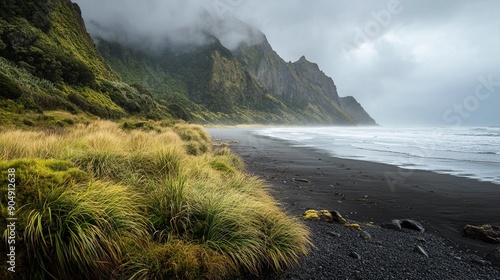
[368,191]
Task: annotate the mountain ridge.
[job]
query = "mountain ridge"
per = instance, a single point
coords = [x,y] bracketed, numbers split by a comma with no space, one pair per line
[265,85]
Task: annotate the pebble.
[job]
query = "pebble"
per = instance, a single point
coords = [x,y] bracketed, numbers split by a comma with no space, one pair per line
[365,235]
[421,239]
[303,180]
[421,250]
[394,224]
[334,234]
[411,224]
[479,261]
[355,255]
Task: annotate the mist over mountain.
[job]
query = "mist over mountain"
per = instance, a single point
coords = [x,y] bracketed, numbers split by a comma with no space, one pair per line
[156,61]
[156,25]
[241,77]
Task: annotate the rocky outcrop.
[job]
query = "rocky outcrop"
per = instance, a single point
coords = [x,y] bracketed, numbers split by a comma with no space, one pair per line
[486,233]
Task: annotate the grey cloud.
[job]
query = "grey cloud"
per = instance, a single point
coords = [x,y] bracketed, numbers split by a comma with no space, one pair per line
[154,24]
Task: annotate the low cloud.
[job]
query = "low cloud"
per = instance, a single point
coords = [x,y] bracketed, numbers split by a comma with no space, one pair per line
[157,24]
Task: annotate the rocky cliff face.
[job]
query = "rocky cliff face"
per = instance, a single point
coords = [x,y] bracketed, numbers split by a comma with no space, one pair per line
[314,80]
[357,111]
[301,85]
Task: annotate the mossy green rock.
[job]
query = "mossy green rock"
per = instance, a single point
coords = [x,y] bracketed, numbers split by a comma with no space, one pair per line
[323,215]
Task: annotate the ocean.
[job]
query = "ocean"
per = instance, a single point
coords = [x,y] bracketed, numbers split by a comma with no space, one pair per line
[471,152]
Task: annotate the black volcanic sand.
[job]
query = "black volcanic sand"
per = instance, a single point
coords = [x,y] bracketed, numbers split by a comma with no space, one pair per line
[302,178]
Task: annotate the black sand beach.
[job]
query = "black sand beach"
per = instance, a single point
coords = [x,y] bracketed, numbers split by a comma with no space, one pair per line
[302,178]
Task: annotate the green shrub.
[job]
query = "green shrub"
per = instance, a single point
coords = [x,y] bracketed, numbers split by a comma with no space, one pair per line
[75,72]
[94,108]
[179,112]
[9,89]
[168,161]
[223,223]
[221,166]
[28,122]
[37,12]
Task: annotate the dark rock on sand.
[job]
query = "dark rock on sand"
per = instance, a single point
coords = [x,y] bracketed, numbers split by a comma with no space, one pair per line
[394,224]
[326,216]
[311,215]
[337,217]
[486,233]
[421,239]
[411,224]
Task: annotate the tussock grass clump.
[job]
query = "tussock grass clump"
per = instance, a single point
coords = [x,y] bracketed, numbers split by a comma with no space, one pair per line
[169,207]
[179,259]
[78,233]
[197,139]
[99,201]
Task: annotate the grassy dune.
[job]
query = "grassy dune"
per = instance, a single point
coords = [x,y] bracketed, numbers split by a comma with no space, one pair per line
[97,202]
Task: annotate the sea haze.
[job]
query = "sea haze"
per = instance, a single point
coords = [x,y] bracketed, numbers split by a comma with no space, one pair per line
[472,152]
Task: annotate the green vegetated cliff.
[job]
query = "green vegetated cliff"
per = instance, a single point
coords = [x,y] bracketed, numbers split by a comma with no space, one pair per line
[205,84]
[49,62]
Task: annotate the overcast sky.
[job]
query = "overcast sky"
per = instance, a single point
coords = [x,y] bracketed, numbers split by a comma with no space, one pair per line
[407,62]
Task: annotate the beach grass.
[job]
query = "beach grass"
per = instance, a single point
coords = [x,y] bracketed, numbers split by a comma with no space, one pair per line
[100,201]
